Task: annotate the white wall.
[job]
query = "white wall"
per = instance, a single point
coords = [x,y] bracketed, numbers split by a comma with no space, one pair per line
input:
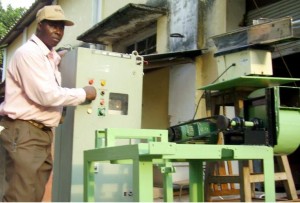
[181,93]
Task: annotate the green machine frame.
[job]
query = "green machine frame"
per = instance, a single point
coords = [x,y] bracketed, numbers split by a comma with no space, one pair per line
[157,150]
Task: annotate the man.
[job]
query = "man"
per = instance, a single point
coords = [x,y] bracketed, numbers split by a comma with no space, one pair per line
[32,107]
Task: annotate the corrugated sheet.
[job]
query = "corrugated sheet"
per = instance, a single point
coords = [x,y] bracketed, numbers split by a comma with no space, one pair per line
[280,9]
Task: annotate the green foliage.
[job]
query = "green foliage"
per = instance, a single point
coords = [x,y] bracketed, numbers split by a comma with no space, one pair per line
[8,17]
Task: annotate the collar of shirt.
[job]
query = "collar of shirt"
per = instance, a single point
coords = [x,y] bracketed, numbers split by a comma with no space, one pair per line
[50,54]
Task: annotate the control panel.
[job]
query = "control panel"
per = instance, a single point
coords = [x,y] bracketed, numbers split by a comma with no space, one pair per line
[118,80]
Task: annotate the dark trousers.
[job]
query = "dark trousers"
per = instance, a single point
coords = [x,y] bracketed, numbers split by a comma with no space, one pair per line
[26,161]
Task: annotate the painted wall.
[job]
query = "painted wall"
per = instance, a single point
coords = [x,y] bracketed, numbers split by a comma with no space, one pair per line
[184,21]
[217,17]
[155,99]
[84,14]
[109,7]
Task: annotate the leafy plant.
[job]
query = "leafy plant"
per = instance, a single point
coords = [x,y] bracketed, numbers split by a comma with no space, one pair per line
[8,17]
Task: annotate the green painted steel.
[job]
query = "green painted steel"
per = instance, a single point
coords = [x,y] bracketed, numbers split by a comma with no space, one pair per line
[249,81]
[144,155]
[288,120]
[286,110]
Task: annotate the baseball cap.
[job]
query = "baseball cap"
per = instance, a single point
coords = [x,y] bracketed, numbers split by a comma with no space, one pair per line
[54,13]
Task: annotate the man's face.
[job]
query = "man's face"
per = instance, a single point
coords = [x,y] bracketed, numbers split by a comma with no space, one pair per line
[50,32]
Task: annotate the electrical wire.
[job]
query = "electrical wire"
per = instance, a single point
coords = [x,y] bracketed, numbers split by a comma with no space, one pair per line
[202,96]
[285,64]
[223,72]
[256,6]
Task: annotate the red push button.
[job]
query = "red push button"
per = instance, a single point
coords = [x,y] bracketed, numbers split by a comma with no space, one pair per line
[102,102]
[91,81]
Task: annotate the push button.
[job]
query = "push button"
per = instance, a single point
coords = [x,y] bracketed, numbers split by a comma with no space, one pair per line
[101,111]
[103,83]
[91,81]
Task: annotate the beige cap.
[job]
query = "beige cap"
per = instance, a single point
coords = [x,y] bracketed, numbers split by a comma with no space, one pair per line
[52,12]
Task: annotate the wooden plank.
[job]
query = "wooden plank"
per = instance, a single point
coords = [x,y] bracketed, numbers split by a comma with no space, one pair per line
[221,179]
[257,178]
[288,183]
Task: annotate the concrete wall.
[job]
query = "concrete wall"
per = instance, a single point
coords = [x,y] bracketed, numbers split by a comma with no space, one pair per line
[155,99]
[109,7]
[183,19]
[84,14]
[216,17]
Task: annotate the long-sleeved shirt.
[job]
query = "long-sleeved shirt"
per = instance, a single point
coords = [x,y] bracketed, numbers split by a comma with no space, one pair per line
[33,90]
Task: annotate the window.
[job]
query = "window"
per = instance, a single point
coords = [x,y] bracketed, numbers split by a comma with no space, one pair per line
[145,46]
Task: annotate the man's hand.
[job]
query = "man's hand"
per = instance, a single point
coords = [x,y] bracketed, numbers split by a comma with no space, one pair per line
[91,92]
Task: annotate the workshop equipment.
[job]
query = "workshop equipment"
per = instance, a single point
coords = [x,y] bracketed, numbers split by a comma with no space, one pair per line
[267,113]
[118,79]
[247,51]
[245,62]
[264,34]
[249,137]
[279,109]
[158,150]
[271,118]
[204,131]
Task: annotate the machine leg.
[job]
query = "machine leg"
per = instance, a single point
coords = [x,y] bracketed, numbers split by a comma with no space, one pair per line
[143,180]
[269,175]
[89,183]
[245,184]
[289,184]
[168,183]
[196,181]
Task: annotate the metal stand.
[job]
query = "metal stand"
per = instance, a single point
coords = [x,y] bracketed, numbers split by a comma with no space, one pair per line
[246,178]
[144,155]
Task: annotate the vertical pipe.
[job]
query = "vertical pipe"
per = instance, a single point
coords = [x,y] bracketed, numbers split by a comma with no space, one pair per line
[24,35]
[3,69]
[97,15]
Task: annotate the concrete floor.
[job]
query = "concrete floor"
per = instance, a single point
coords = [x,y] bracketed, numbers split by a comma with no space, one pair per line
[158,196]
[259,197]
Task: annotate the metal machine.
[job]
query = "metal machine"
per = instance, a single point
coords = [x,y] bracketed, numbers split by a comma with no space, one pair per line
[271,112]
[271,118]
[118,80]
[270,121]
